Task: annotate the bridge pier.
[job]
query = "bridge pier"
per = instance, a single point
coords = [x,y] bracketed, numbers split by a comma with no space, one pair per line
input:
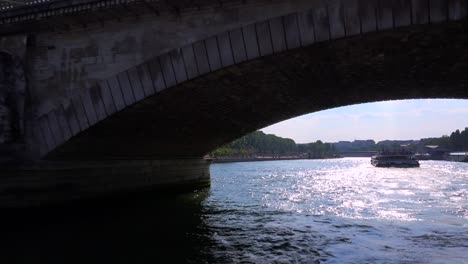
[52,182]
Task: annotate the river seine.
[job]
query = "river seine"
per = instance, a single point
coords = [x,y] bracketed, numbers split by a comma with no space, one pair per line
[303,211]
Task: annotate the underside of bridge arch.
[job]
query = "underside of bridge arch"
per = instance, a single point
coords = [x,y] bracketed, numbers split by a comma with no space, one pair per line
[195,117]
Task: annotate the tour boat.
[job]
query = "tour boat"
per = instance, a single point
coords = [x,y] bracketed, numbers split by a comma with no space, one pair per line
[401,159]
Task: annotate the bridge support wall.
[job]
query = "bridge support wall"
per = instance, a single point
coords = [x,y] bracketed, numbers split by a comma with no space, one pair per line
[57,182]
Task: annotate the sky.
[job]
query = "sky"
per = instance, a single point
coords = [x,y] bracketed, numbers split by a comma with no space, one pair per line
[394,120]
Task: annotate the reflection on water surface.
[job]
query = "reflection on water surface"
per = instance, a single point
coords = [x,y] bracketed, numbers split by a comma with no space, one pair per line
[309,211]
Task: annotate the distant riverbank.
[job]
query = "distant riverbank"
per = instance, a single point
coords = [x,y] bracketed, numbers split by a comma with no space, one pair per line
[225,160]
[248,159]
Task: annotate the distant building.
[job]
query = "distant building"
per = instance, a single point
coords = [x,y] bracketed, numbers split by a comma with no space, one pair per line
[458,156]
[396,143]
[356,145]
[436,152]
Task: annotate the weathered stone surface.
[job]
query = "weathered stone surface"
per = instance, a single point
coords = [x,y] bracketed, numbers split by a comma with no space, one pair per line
[278,37]
[251,44]
[47,133]
[264,38]
[321,22]
[385,18]
[178,65]
[238,47]
[136,83]
[146,80]
[126,88]
[438,10]
[167,70]
[84,76]
[201,57]
[97,102]
[402,13]
[70,116]
[116,92]
[336,19]
[225,49]
[63,123]
[413,62]
[306,26]
[368,14]
[154,67]
[80,113]
[457,9]
[88,106]
[214,58]
[190,62]
[352,18]
[420,11]
[55,128]
[291,28]
[107,98]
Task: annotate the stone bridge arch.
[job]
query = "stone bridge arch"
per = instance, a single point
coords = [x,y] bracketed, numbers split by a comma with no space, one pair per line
[85,126]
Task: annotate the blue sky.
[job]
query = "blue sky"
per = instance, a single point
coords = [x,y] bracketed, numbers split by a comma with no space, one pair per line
[403,119]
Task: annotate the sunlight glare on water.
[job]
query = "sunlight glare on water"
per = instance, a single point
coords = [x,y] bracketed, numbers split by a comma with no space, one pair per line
[339,211]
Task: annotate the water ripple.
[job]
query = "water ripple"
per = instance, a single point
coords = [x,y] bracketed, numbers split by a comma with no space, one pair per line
[338,211]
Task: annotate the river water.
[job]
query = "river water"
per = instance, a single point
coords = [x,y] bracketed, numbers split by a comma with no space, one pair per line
[303,211]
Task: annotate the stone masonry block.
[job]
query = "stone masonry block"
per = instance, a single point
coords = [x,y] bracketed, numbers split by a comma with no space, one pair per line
[264,38]
[89,107]
[98,104]
[225,49]
[106,97]
[146,81]
[306,27]
[63,122]
[238,46]
[55,128]
[167,70]
[214,58]
[368,15]
[201,57]
[352,19]
[126,87]
[135,82]
[40,139]
[250,40]
[178,64]
[336,18]
[291,29]
[71,118]
[457,9]
[116,93]
[420,11]
[46,132]
[385,15]
[402,13]
[321,22]
[156,74]
[190,62]
[80,113]
[438,10]
[278,37]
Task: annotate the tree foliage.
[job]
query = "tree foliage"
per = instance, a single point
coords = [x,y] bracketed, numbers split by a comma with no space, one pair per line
[457,141]
[259,143]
